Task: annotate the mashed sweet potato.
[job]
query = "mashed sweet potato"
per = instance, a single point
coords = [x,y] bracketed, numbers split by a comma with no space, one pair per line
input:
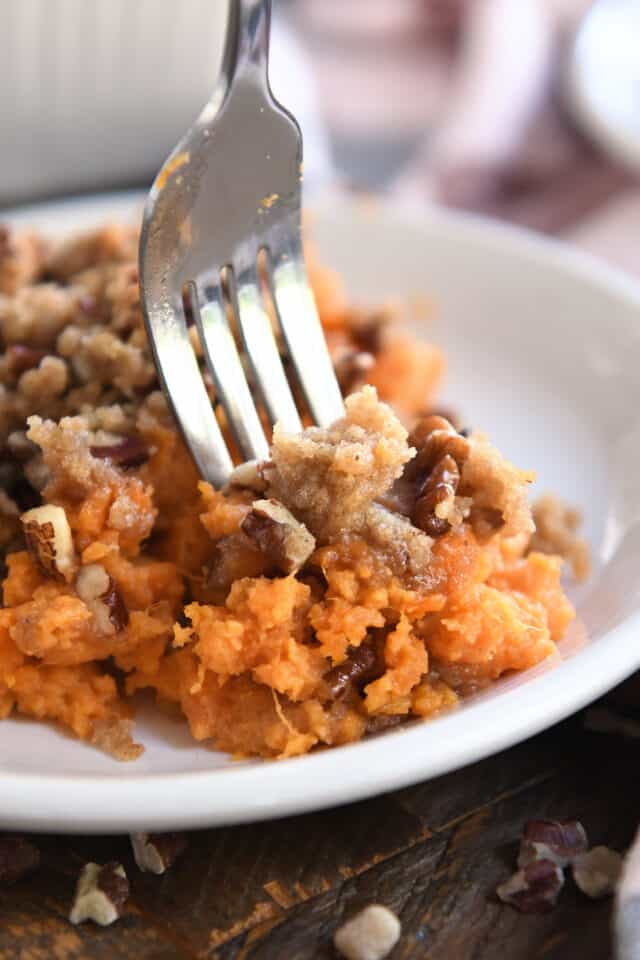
[362,575]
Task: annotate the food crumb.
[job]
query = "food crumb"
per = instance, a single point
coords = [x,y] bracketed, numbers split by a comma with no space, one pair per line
[557,526]
[534,888]
[370,935]
[597,871]
[100,895]
[156,852]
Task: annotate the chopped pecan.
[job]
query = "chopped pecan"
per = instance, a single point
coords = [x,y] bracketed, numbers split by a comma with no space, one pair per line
[485,521]
[449,415]
[48,536]
[129,452]
[249,475]
[284,540]
[367,329]
[384,721]
[18,858]
[597,871]
[429,485]
[155,852]
[370,935]
[363,665]
[534,888]
[352,367]
[560,841]
[100,593]
[435,496]
[434,437]
[21,357]
[101,893]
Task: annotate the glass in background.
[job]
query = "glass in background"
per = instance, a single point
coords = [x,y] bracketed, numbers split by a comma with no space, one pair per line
[382,70]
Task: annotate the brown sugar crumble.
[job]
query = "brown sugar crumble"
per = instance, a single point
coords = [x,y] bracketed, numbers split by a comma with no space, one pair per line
[368,572]
[557,532]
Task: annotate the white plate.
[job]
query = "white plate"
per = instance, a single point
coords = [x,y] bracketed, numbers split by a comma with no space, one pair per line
[544,349]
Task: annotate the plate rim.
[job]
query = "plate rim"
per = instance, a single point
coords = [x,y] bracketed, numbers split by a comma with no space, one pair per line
[99,803]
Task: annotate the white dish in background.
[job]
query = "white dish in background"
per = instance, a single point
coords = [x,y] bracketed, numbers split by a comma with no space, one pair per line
[104,89]
[603,78]
[544,353]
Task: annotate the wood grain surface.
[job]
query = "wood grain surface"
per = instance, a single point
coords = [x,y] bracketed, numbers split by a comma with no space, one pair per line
[434,853]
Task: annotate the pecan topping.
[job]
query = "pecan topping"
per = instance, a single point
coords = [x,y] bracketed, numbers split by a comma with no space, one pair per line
[129,452]
[363,665]
[434,437]
[249,475]
[21,357]
[449,415]
[435,495]
[48,536]
[101,893]
[101,595]
[430,481]
[282,539]
[367,330]
[370,935]
[534,888]
[155,852]
[560,841]
[352,367]
[18,858]
[597,872]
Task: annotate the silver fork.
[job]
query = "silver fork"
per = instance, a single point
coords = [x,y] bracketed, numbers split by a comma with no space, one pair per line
[231,189]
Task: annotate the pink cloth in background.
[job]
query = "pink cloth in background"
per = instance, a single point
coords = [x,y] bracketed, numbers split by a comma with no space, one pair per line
[474,86]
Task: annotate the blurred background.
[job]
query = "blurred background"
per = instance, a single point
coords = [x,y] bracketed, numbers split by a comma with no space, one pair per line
[528,110]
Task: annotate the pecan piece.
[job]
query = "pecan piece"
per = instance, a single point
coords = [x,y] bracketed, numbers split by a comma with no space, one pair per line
[249,476]
[448,414]
[363,665]
[18,858]
[434,437]
[100,593]
[534,888]
[48,536]
[155,852]
[370,935]
[283,540]
[367,330]
[436,496]
[101,893]
[352,367]
[131,451]
[560,841]
[597,871]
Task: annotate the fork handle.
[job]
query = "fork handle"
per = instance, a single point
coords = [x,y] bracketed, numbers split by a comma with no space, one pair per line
[247,42]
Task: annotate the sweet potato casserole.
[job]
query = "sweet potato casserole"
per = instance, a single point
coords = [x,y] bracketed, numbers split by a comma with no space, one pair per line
[373,571]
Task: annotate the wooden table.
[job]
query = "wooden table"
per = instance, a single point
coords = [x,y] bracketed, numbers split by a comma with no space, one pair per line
[433,852]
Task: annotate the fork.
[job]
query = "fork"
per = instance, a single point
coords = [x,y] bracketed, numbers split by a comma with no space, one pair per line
[230,190]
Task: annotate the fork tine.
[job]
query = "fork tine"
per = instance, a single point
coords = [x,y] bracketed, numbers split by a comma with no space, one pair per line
[180,375]
[260,344]
[298,318]
[225,367]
